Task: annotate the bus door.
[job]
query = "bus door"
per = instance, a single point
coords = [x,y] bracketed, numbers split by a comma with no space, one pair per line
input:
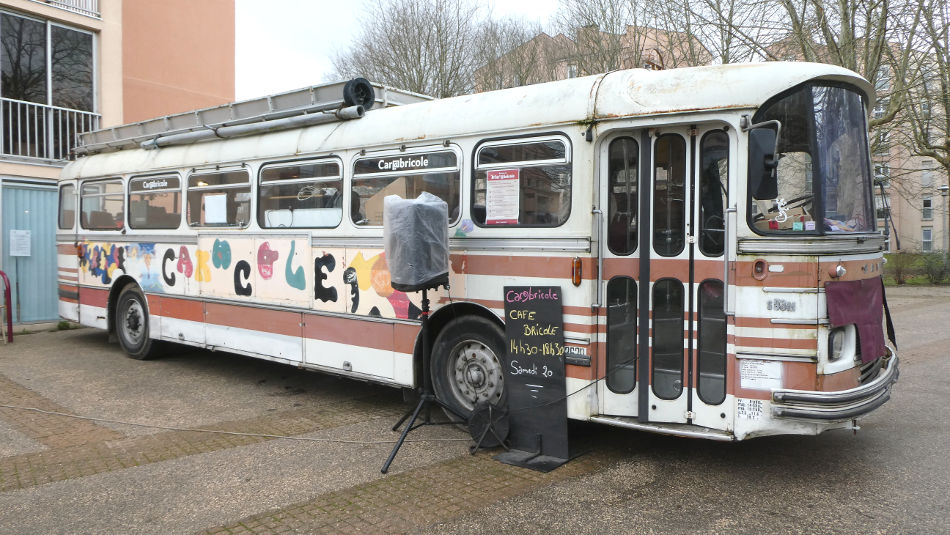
[665,340]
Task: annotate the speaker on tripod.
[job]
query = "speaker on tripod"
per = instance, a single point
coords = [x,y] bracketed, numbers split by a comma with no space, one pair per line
[416,239]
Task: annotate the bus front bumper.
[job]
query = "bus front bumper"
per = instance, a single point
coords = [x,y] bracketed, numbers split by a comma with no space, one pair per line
[840,405]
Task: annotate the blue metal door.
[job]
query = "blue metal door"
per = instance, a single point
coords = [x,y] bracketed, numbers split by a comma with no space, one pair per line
[33,278]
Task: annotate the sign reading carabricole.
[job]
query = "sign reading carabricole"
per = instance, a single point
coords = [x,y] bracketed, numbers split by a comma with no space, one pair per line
[534,370]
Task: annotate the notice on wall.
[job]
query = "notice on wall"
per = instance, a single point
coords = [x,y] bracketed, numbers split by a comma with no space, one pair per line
[502,198]
[534,377]
[760,374]
[20,242]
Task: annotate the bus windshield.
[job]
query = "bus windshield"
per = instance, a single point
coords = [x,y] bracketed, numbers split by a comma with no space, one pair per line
[823,174]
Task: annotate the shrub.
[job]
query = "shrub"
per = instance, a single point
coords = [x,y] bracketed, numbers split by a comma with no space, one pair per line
[901,266]
[935,266]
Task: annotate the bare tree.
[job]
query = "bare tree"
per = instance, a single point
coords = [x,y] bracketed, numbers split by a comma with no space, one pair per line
[427,46]
[599,31]
[511,52]
[731,30]
[928,113]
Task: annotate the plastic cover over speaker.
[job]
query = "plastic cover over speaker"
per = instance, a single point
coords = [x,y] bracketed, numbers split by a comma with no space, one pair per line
[416,239]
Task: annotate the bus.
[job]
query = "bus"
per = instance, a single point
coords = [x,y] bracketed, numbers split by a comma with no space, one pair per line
[712,231]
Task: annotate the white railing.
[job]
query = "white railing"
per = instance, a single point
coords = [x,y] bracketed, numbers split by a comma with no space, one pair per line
[30,130]
[84,7]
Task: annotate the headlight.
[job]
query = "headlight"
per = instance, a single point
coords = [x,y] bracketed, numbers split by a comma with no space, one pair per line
[836,344]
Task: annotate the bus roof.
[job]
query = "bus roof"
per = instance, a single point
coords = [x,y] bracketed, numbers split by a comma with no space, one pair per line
[615,95]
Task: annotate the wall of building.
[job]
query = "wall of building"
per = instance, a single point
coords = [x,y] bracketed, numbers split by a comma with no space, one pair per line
[178,56]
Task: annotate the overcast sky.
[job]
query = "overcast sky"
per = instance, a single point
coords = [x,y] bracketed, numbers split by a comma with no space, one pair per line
[288,44]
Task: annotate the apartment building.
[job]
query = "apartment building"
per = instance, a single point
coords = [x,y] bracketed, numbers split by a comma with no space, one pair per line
[69,66]
[911,189]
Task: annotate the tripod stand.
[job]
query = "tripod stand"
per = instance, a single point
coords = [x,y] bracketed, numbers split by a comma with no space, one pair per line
[426,396]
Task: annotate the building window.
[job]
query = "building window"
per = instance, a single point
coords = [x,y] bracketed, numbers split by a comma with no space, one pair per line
[882,172]
[47,87]
[27,63]
[883,82]
[927,173]
[879,110]
[926,239]
[928,209]
[882,142]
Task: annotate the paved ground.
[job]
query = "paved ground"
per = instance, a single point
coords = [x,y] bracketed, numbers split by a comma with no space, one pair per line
[64,475]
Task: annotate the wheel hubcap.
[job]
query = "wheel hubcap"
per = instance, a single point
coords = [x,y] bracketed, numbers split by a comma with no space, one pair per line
[476,375]
[134,326]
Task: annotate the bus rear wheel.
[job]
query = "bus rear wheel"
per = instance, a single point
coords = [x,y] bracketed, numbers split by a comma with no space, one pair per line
[131,323]
[467,365]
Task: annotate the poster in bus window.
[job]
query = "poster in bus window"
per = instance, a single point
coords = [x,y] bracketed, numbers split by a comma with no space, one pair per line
[502,197]
[216,209]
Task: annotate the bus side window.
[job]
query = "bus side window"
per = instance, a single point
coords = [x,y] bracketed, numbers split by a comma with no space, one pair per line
[406,174]
[155,202]
[301,195]
[522,183]
[102,204]
[219,199]
[67,207]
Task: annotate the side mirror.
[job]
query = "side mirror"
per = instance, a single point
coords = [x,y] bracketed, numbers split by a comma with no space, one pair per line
[763,181]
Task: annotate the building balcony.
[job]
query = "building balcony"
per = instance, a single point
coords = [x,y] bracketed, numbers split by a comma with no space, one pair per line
[90,8]
[41,133]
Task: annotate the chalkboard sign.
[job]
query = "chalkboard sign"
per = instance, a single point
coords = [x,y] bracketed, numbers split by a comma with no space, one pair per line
[534,376]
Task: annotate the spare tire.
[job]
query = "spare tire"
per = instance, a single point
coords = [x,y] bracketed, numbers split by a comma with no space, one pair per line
[359,92]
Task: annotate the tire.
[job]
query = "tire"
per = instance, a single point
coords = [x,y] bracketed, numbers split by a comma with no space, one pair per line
[359,91]
[131,324]
[467,364]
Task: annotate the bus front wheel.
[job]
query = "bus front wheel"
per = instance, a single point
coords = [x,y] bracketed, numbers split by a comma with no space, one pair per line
[131,323]
[466,364]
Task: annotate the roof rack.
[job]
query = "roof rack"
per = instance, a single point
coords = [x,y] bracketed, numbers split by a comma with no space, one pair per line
[335,101]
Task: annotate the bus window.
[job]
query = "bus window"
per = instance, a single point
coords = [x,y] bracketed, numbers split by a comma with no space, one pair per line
[621,335]
[155,202]
[219,199]
[67,207]
[102,205]
[622,198]
[522,183]
[406,175]
[669,195]
[301,194]
[713,191]
[667,362]
[712,343]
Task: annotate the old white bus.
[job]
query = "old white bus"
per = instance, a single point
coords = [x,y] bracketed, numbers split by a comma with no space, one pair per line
[712,231]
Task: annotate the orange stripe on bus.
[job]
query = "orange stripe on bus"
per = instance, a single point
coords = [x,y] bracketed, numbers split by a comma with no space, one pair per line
[766,323]
[372,334]
[556,267]
[94,297]
[183,309]
[783,343]
[254,319]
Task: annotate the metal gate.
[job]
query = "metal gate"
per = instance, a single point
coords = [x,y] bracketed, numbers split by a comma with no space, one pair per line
[33,277]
